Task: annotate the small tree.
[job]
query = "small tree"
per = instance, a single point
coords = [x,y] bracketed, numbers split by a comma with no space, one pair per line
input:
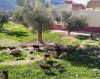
[33,13]
[3,19]
[75,23]
[66,16]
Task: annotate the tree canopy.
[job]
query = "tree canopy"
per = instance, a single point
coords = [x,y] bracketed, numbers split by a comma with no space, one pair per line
[73,22]
[33,13]
[76,22]
[3,18]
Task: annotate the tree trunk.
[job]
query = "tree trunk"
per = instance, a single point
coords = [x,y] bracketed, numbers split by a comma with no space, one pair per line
[1,25]
[40,35]
[69,32]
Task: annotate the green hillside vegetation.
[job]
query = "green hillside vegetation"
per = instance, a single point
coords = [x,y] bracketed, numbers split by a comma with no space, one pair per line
[76,66]
[33,71]
[16,34]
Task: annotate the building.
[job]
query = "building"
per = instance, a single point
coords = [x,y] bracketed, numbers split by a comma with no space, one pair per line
[94,4]
[74,6]
[78,7]
[67,5]
[93,18]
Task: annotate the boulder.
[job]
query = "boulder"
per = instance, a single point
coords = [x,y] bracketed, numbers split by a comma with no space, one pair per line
[4,75]
[49,48]
[16,52]
[63,55]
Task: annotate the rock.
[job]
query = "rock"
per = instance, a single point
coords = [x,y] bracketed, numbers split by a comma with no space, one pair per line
[12,47]
[49,48]
[80,48]
[64,49]
[72,48]
[16,52]
[63,55]
[4,75]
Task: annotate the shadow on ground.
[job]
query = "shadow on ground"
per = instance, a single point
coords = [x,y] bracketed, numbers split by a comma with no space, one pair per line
[82,37]
[51,73]
[89,57]
[4,31]
[17,34]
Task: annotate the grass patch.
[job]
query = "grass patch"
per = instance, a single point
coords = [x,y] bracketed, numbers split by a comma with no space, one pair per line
[17,33]
[33,71]
[20,34]
[82,37]
[77,66]
[56,38]
[5,57]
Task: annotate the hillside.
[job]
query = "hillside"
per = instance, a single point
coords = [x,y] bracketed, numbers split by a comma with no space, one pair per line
[11,4]
[83,64]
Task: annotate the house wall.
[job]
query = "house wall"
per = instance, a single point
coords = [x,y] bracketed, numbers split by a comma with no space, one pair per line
[90,29]
[85,29]
[93,17]
[93,4]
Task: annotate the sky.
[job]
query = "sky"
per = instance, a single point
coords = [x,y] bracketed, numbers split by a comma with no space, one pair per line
[81,1]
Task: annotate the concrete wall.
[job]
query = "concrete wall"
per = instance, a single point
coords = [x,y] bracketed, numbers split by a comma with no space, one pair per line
[93,21]
[92,16]
[85,29]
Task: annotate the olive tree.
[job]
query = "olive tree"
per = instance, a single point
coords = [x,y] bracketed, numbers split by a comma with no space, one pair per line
[3,19]
[76,22]
[34,14]
[66,16]
[73,22]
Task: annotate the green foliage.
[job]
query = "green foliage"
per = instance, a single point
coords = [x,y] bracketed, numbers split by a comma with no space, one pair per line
[5,57]
[33,71]
[34,14]
[16,34]
[10,24]
[73,22]
[76,23]
[66,16]
[3,18]
[56,38]
[79,65]
[19,34]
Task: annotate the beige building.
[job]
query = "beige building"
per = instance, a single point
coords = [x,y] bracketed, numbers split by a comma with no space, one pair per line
[94,4]
[93,17]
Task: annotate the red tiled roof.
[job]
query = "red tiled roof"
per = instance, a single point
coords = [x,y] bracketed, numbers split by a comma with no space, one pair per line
[78,6]
[68,2]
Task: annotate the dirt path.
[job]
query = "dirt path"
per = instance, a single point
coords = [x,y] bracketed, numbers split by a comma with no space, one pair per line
[73,33]
[20,62]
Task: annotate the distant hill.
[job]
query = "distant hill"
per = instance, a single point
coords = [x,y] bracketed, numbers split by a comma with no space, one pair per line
[7,4]
[11,4]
